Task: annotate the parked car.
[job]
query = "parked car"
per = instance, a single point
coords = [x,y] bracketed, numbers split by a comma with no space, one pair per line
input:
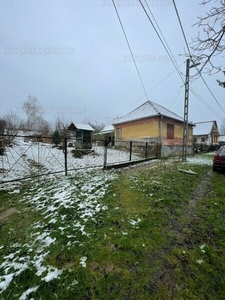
[219,159]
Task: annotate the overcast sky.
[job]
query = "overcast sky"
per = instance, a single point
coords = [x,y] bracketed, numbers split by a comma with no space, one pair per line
[73,57]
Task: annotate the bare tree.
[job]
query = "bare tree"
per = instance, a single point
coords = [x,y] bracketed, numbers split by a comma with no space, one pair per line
[12,125]
[61,125]
[34,112]
[210,43]
[95,125]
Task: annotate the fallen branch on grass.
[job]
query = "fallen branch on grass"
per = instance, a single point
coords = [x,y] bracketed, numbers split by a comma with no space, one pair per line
[187,171]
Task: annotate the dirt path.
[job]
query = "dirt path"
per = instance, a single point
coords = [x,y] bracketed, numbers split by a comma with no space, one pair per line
[7,213]
[182,237]
[182,230]
[201,190]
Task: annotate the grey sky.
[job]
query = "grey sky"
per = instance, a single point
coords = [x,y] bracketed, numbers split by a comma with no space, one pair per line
[72,56]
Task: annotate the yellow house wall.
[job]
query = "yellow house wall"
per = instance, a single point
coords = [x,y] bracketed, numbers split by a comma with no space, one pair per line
[140,129]
[150,128]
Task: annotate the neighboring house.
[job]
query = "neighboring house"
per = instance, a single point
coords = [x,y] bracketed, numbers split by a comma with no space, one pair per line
[206,133]
[156,124]
[106,134]
[81,134]
[222,140]
[36,136]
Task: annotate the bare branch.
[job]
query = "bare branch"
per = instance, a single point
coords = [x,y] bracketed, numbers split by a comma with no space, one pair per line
[211,42]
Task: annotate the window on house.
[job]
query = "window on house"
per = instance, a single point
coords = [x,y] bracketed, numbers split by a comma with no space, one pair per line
[170,131]
[119,133]
[78,134]
[202,140]
[195,140]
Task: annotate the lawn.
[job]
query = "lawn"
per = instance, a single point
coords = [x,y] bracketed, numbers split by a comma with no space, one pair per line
[148,232]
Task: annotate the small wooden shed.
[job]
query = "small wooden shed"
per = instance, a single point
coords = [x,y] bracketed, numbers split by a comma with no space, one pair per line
[80,134]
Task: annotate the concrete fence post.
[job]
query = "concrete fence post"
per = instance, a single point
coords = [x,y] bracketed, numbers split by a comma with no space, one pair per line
[146,150]
[130,150]
[65,154]
[105,153]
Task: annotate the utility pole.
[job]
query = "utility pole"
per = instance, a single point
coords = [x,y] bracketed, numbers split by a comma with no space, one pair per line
[185,125]
[186,100]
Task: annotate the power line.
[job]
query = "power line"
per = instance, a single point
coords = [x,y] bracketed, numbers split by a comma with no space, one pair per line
[154,87]
[177,68]
[205,103]
[163,36]
[176,98]
[212,93]
[121,24]
[182,29]
[161,39]
[170,55]
[168,52]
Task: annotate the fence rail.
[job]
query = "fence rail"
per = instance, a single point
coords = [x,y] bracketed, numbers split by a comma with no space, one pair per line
[24,157]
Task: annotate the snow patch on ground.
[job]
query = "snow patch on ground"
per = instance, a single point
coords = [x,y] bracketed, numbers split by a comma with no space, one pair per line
[28,292]
[55,200]
[201,160]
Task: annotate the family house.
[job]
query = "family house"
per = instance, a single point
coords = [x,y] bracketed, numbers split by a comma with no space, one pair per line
[154,123]
[80,134]
[222,140]
[206,133]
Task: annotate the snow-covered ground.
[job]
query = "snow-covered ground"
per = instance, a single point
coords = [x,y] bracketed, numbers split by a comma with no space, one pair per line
[26,159]
[201,159]
[67,205]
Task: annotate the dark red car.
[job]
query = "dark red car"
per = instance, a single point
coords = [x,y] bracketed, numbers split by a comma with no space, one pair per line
[219,159]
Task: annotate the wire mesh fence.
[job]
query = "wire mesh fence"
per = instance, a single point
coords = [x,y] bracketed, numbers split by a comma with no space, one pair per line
[125,151]
[25,157]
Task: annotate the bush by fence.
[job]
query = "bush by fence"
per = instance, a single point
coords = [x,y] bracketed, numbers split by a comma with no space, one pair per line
[205,148]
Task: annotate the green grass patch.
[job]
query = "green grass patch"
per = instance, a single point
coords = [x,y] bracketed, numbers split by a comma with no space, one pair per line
[149,233]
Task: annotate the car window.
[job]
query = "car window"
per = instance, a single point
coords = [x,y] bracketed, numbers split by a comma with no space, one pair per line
[222,152]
